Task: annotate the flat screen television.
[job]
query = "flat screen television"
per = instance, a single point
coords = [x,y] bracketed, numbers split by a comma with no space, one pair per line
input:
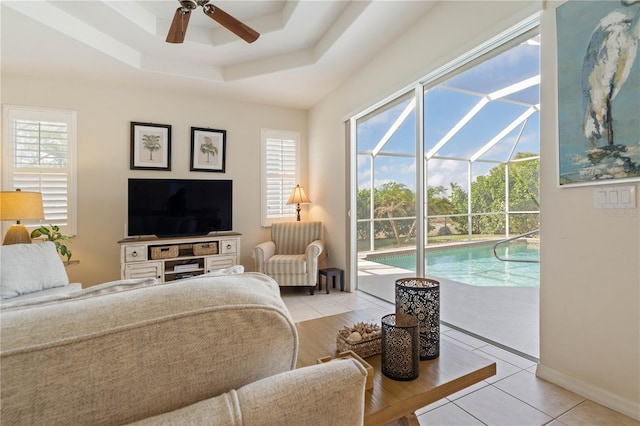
[179,207]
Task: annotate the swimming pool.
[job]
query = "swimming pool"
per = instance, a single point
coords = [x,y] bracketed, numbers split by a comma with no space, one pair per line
[475,265]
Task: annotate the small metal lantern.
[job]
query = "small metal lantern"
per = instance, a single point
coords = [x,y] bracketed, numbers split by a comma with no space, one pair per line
[400,347]
[420,297]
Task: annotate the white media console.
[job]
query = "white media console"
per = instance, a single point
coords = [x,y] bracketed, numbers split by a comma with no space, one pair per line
[170,259]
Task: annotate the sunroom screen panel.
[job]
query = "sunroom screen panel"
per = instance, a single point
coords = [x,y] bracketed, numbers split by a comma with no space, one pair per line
[443,110]
[514,65]
[488,123]
[372,128]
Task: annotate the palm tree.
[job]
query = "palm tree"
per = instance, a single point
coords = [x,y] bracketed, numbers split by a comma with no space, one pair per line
[395,200]
[208,148]
[152,143]
[438,203]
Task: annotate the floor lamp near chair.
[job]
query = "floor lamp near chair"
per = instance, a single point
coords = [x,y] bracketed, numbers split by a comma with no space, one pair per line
[297,197]
[20,205]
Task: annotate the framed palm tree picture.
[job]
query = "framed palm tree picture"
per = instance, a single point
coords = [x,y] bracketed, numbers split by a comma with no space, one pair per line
[150,146]
[208,149]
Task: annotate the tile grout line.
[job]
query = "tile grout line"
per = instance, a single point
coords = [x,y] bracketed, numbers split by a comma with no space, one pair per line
[524,402]
[471,414]
[570,409]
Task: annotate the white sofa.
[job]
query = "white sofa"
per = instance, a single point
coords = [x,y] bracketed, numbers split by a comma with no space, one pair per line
[210,350]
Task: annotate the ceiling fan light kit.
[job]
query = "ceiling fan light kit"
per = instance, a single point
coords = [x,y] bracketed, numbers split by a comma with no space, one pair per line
[178,28]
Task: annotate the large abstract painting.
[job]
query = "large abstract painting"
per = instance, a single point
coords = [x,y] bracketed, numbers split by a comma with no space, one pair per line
[598,91]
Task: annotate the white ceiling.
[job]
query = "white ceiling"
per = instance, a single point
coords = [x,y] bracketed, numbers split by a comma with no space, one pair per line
[305,50]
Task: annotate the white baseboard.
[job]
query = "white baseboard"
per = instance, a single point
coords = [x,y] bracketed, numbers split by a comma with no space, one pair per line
[601,396]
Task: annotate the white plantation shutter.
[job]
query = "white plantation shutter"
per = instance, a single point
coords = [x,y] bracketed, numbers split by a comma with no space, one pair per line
[280,174]
[39,155]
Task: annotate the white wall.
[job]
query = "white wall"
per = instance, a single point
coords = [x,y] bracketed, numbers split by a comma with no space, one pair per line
[590,276]
[104,116]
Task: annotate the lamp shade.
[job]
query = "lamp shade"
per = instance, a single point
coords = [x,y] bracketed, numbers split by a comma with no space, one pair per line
[21,205]
[298,196]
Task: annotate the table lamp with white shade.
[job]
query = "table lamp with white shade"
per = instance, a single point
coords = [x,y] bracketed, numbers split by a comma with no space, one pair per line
[20,205]
[297,197]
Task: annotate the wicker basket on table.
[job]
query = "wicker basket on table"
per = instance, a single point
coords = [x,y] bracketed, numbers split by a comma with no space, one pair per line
[370,343]
[205,249]
[164,252]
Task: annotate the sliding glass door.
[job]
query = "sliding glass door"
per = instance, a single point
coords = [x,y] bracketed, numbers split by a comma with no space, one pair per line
[452,162]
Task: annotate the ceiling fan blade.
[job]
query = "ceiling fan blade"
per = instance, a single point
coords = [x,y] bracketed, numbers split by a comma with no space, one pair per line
[178,28]
[243,31]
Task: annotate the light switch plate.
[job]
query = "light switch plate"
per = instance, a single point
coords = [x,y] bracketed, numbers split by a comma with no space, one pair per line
[615,197]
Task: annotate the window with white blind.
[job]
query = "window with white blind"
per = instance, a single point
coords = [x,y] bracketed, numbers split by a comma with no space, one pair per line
[280,157]
[39,155]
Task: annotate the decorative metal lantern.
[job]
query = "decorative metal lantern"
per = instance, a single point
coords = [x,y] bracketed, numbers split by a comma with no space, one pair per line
[400,347]
[420,297]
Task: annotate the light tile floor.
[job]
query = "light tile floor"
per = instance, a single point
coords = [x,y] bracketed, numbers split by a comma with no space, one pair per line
[514,396]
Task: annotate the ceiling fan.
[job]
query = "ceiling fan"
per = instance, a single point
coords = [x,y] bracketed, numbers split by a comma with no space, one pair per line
[178,28]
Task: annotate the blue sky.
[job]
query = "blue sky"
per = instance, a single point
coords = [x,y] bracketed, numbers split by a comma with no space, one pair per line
[445,106]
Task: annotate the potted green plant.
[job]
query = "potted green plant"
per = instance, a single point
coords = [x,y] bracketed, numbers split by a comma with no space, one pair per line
[56,237]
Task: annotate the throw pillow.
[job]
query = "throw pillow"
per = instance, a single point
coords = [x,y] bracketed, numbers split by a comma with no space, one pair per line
[27,268]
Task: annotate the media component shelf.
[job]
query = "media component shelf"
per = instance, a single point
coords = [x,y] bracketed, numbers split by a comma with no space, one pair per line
[170,259]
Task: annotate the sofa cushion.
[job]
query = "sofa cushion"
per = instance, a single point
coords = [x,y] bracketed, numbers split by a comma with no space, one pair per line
[27,268]
[37,296]
[76,292]
[283,264]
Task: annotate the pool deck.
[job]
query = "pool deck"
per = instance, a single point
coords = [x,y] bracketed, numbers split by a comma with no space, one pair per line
[506,316]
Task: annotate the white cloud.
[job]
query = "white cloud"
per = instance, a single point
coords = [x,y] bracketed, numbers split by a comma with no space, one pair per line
[443,172]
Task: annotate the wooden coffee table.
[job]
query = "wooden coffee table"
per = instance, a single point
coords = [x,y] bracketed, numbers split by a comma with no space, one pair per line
[391,400]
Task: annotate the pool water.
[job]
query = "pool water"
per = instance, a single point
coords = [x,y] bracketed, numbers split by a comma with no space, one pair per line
[476,265]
